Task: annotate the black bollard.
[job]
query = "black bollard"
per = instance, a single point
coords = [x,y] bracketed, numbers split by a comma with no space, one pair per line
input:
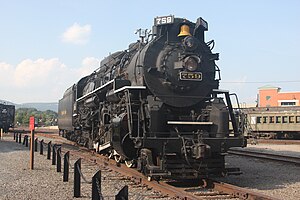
[58,164]
[17,137]
[123,193]
[77,168]
[20,137]
[54,154]
[66,167]
[96,186]
[49,150]
[24,139]
[36,144]
[41,147]
[14,136]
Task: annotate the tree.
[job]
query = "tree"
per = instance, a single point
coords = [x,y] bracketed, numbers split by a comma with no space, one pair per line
[43,118]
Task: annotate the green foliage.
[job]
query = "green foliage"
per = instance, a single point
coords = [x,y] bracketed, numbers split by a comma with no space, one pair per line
[43,118]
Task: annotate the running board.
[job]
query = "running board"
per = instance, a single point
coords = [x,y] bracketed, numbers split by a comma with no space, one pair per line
[188,123]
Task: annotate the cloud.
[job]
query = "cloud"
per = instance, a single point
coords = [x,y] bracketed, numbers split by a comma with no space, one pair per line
[6,72]
[30,72]
[77,34]
[89,64]
[41,80]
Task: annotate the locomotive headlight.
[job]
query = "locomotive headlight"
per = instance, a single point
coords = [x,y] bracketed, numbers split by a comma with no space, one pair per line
[190,43]
[191,63]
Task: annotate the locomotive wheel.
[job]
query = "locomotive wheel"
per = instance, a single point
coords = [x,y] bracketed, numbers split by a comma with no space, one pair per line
[110,154]
[130,163]
[149,178]
[118,158]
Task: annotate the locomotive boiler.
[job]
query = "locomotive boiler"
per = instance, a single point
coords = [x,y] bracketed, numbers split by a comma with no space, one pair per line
[157,105]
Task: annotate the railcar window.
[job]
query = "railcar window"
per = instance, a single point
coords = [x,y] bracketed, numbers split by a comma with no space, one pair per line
[271,119]
[278,119]
[297,119]
[292,119]
[285,119]
[258,120]
[264,119]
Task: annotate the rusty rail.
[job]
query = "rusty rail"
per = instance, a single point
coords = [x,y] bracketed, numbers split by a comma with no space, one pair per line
[269,156]
[175,192]
[164,188]
[275,141]
[238,192]
[137,177]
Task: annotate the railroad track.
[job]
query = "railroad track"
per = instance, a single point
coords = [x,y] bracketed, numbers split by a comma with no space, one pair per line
[264,155]
[275,141]
[200,189]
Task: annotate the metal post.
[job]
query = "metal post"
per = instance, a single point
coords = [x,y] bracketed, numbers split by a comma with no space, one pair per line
[29,138]
[49,150]
[31,149]
[41,147]
[96,186]
[77,168]
[14,135]
[36,144]
[26,140]
[123,193]
[17,137]
[54,154]
[66,167]
[58,164]
[1,133]
[20,137]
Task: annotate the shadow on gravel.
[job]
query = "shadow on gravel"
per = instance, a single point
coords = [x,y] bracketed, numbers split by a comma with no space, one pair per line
[7,145]
[261,174]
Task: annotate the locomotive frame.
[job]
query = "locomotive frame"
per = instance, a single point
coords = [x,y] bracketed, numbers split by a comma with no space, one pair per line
[156,105]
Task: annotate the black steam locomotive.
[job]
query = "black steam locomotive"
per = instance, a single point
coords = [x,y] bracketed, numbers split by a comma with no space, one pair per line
[7,117]
[156,105]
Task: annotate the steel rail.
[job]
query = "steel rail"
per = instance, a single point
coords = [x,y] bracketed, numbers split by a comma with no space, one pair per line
[263,155]
[175,192]
[164,188]
[275,141]
[138,177]
[241,193]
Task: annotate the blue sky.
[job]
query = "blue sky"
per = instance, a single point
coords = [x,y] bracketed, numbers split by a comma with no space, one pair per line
[46,46]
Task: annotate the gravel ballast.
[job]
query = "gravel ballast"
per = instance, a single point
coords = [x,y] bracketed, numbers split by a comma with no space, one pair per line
[17,181]
[276,179]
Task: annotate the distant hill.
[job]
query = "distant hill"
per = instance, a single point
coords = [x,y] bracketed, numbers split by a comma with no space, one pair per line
[39,106]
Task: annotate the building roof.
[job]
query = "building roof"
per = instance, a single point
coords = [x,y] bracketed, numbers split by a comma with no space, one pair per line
[267,87]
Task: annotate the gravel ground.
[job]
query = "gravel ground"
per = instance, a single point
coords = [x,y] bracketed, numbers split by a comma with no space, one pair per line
[17,181]
[276,179]
[291,149]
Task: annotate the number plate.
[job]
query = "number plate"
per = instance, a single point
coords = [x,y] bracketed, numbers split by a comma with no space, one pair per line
[164,20]
[190,76]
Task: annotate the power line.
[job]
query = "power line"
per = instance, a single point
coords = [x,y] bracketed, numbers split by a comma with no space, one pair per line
[238,82]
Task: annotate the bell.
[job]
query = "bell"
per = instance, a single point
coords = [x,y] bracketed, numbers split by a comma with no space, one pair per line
[184,30]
